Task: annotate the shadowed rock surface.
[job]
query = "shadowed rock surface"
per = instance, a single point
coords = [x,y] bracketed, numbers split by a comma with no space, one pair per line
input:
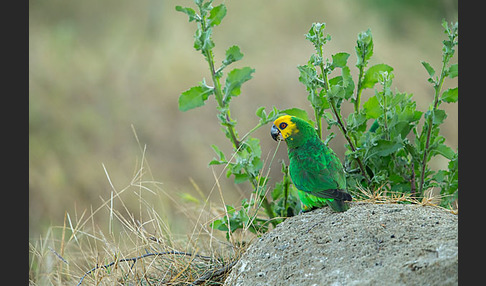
[370,244]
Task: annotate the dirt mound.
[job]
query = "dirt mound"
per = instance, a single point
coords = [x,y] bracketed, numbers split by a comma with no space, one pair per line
[369,244]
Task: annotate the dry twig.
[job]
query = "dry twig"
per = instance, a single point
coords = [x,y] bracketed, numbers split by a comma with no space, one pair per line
[214,273]
[134,259]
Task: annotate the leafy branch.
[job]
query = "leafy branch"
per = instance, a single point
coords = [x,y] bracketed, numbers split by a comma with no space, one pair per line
[434,117]
[247,149]
[381,155]
[325,93]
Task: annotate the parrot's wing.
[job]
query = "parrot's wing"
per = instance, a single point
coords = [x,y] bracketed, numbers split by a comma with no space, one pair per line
[320,173]
[321,184]
[310,180]
[333,194]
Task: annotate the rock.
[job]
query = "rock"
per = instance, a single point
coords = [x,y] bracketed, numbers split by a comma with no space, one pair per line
[370,244]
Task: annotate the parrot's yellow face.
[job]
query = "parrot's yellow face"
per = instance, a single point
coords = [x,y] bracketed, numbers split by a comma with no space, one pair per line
[283,126]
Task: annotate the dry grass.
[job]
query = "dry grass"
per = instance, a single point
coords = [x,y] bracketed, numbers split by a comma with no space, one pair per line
[136,247]
[144,251]
[383,196]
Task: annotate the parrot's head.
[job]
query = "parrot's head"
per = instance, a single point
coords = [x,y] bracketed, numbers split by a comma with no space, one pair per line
[293,130]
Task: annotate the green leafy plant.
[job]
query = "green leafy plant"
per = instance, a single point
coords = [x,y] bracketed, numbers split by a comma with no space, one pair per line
[246,162]
[429,143]
[392,153]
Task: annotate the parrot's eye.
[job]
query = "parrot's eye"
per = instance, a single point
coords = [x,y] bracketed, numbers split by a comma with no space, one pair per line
[282,125]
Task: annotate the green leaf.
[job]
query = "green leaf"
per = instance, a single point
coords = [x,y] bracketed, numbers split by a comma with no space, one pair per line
[450,95]
[356,121]
[272,116]
[374,126]
[440,176]
[444,150]
[364,48]
[340,60]
[264,118]
[233,54]
[189,12]
[400,99]
[385,78]
[318,101]
[261,113]
[204,7]
[278,190]
[202,40]
[216,15]
[429,68]
[329,119]
[219,224]
[218,152]
[315,60]
[216,162]
[240,178]
[336,91]
[194,97]
[439,116]
[316,35]
[453,71]
[347,82]
[329,138]
[254,145]
[445,25]
[372,108]
[344,83]
[372,75]
[234,81]
[307,75]
[314,31]
[297,112]
[384,148]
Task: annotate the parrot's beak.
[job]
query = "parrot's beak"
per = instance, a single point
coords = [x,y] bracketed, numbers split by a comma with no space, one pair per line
[275,132]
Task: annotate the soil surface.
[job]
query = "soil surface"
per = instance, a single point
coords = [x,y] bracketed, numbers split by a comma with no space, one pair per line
[370,244]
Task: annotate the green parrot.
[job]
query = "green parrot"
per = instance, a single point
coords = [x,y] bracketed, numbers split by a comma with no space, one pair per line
[314,168]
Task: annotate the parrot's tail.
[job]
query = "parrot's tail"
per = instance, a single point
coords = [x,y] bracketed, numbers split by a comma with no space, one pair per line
[338,205]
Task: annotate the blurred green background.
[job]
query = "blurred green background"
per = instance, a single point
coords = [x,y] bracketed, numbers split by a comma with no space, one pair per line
[98,67]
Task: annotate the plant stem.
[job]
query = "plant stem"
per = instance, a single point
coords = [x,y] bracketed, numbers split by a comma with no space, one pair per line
[217,84]
[269,211]
[286,180]
[346,135]
[430,121]
[228,121]
[317,112]
[413,188]
[319,123]
[266,205]
[357,102]
[251,131]
[219,98]
[385,110]
[341,124]
[448,52]
[208,53]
